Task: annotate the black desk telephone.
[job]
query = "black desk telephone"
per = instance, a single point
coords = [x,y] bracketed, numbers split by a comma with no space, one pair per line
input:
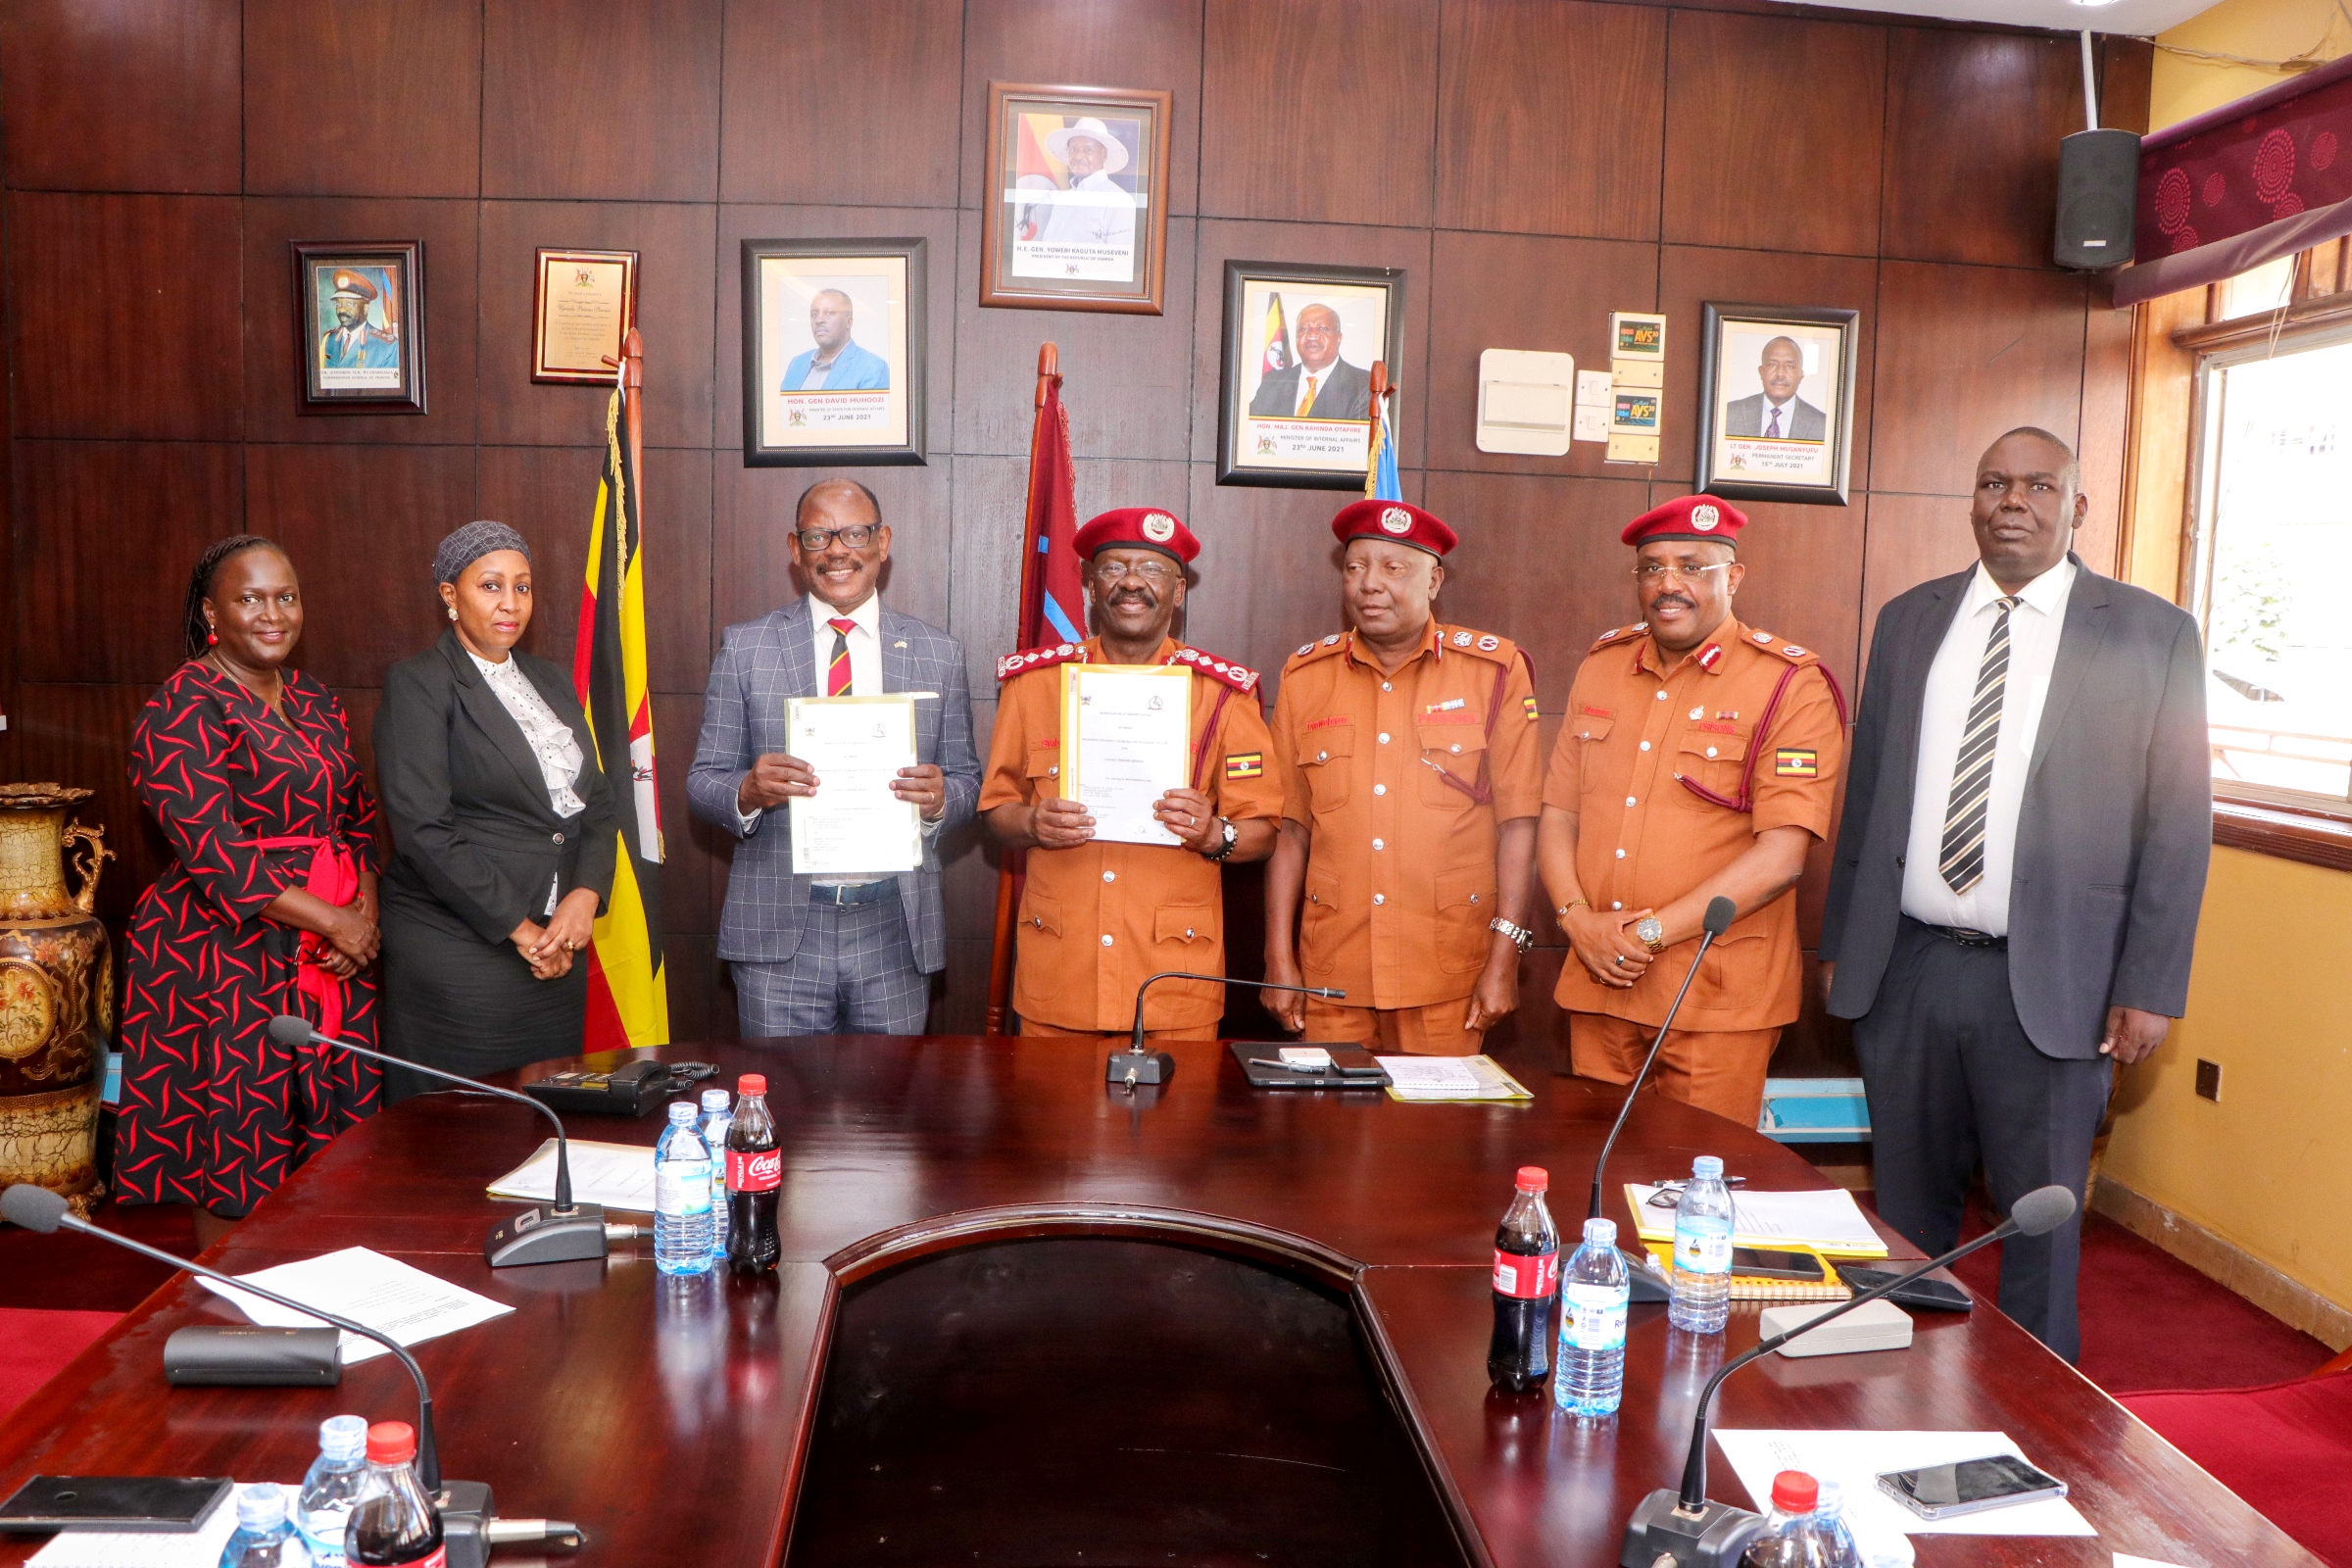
[628,1090]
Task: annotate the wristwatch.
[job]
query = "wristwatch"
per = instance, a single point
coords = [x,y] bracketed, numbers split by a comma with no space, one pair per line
[1650,932]
[1521,937]
[1232,836]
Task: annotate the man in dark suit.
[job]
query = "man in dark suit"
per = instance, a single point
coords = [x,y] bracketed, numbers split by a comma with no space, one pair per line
[841,955]
[2014,897]
[1320,385]
[1777,413]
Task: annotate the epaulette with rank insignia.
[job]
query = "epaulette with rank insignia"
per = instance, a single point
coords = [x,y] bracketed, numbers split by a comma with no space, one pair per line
[1766,642]
[1308,652]
[1623,634]
[1485,644]
[1030,658]
[1240,677]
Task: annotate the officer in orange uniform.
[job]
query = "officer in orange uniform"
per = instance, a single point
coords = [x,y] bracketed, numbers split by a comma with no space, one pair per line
[1097,919]
[1411,778]
[1699,759]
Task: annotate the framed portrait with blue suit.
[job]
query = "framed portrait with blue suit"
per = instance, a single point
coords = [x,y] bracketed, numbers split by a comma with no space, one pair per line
[1775,402]
[833,351]
[360,325]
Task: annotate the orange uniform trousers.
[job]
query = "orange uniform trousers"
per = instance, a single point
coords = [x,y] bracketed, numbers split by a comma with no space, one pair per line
[1432,1031]
[1721,1070]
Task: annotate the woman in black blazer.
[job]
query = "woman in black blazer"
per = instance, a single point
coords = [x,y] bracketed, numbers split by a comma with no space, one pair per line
[502,831]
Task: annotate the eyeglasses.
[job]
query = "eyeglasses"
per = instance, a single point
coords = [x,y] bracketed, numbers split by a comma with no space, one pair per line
[857,538]
[1660,572]
[1156,573]
[1670,1194]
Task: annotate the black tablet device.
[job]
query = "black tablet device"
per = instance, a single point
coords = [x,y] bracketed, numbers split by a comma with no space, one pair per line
[112,1502]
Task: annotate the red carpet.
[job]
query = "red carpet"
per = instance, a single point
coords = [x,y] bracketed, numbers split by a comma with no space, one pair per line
[2286,1449]
[35,1344]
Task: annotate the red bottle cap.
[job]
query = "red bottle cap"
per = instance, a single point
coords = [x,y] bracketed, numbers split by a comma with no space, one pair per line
[1794,1492]
[1534,1179]
[391,1443]
[752,1083]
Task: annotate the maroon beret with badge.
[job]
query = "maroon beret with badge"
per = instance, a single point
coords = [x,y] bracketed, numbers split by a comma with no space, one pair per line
[1689,518]
[1138,529]
[1399,520]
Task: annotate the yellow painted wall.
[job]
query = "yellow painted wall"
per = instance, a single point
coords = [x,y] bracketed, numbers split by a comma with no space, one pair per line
[2252,29]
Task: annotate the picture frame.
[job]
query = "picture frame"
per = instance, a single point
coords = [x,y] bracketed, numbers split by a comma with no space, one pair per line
[583,304]
[1755,446]
[1075,217]
[359,313]
[1280,317]
[834,352]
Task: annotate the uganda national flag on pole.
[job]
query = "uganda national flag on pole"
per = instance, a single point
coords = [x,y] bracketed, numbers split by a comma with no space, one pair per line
[628,995]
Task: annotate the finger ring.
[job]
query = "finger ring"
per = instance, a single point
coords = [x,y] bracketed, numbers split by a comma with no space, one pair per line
[1619,960]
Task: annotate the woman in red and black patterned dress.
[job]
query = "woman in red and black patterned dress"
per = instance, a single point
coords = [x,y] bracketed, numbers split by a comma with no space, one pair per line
[269,906]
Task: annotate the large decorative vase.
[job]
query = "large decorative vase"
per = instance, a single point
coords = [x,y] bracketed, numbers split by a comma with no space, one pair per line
[55,992]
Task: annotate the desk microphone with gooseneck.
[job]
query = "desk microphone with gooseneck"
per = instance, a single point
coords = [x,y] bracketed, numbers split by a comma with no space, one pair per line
[1683,1529]
[561,1232]
[1645,1283]
[1136,1066]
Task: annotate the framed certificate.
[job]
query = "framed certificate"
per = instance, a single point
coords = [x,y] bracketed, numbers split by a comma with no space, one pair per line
[584,304]
[852,825]
[1126,740]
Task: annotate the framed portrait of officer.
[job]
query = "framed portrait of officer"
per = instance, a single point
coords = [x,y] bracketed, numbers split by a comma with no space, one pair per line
[1076,214]
[1775,402]
[360,326]
[1295,407]
[833,346]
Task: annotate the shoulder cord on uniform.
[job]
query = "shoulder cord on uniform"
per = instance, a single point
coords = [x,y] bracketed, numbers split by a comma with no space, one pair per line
[1483,793]
[1745,801]
[1209,734]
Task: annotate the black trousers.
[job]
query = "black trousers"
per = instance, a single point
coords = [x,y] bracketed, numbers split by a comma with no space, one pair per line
[1953,1080]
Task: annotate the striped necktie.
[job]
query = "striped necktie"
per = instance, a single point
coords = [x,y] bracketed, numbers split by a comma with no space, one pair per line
[1963,859]
[837,670]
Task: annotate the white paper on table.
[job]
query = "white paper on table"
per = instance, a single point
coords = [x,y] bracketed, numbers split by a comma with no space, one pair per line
[1856,1459]
[1451,1074]
[610,1175]
[366,1286]
[2123,1559]
[1127,740]
[854,826]
[200,1547]
[1828,1221]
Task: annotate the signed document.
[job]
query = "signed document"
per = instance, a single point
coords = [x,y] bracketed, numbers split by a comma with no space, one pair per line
[852,825]
[1126,740]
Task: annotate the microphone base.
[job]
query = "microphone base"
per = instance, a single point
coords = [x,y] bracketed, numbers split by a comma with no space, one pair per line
[1645,1283]
[1660,1534]
[467,1509]
[540,1235]
[1139,1067]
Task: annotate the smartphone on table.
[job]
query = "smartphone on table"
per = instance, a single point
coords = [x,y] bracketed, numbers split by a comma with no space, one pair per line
[1970,1486]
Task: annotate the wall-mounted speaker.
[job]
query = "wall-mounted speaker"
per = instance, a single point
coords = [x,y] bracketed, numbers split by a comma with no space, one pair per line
[2098,186]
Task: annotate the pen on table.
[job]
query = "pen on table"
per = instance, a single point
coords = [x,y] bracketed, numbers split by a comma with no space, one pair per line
[1293,1066]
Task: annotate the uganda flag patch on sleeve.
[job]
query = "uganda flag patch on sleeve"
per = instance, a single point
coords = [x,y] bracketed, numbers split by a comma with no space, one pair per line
[1246,765]
[1789,762]
[1530,704]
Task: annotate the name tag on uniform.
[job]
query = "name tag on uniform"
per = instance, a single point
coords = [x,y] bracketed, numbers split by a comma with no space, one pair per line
[1789,762]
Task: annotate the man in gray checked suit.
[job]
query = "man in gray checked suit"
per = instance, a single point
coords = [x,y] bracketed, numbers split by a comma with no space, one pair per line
[846,955]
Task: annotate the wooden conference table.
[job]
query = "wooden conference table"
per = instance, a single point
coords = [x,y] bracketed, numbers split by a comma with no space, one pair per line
[1023,1317]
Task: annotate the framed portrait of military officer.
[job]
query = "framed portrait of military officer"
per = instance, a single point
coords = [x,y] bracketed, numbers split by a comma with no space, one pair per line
[360,326]
[1076,212]
[1295,407]
[833,345]
[1775,402]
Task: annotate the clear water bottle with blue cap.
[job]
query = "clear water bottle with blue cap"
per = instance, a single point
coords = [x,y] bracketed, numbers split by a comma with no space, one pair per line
[1703,1250]
[266,1538]
[682,1195]
[323,1511]
[718,1117]
[1588,1374]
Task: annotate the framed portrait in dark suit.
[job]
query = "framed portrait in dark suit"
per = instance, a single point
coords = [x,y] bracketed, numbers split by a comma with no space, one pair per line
[834,352]
[359,313]
[1076,212]
[1295,405]
[1775,402]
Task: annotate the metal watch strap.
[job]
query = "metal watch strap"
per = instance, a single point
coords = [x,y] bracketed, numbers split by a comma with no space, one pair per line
[1521,937]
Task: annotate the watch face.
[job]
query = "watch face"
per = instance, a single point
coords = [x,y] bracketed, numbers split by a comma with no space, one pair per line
[1651,930]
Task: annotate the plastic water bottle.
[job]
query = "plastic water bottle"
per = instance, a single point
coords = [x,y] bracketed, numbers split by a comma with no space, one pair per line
[266,1538]
[1789,1537]
[681,1196]
[1589,1376]
[716,1118]
[323,1511]
[1834,1540]
[1702,1251]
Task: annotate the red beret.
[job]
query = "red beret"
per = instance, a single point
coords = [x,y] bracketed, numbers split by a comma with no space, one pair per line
[1688,517]
[1399,520]
[1138,529]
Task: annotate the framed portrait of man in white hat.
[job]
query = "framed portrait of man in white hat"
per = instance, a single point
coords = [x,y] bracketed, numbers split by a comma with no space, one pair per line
[360,326]
[1076,217]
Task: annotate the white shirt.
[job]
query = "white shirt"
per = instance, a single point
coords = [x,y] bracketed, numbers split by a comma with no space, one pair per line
[548,735]
[2033,627]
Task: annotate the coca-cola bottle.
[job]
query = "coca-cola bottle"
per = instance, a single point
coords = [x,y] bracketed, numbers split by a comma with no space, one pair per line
[754,1174]
[1527,1276]
[393,1522]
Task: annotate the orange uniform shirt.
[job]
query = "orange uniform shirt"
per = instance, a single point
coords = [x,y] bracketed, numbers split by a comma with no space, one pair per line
[1401,781]
[1097,920]
[1638,735]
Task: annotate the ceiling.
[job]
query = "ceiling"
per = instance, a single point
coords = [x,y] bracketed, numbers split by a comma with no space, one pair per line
[2138,17]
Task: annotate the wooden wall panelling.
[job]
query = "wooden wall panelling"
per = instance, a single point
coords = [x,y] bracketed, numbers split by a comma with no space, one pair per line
[1512,292]
[87,511]
[362,98]
[842,101]
[1973,124]
[2126,66]
[618,101]
[361,523]
[1318,110]
[701,1004]
[1100,43]
[1965,353]
[961,1005]
[677,247]
[2106,417]
[122,317]
[1912,538]
[1773,132]
[937,225]
[69,68]
[751,541]
[1551,118]
[80,735]
[689,868]
[970,856]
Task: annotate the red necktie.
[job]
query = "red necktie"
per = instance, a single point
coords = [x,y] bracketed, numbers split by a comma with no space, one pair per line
[837,672]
